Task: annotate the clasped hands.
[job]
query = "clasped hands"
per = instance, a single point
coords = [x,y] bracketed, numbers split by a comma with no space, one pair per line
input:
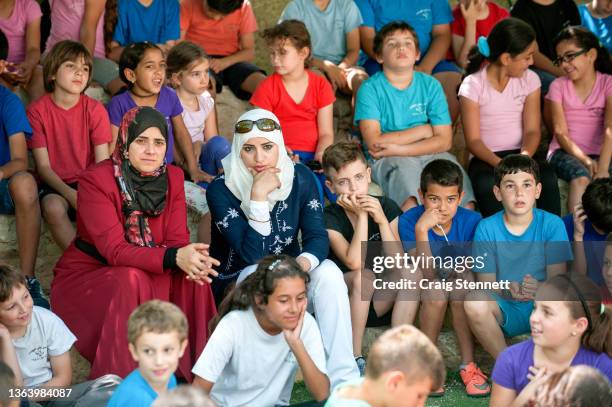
[195,261]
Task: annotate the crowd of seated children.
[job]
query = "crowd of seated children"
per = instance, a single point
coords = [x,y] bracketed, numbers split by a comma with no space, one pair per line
[70,132]
[20,22]
[35,343]
[335,52]
[569,327]
[588,227]
[302,100]
[225,29]
[500,110]
[18,191]
[595,16]
[187,71]
[354,218]
[157,337]
[431,22]
[268,308]
[473,19]
[403,117]
[581,109]
[431,229]
[519,234]
[403,367]
[133,21]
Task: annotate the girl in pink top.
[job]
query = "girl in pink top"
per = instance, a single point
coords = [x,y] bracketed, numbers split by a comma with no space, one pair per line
[500,110]
[581,107]
[20,22]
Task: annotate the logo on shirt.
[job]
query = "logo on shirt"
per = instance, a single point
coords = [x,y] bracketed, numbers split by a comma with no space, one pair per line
[38,353]
[424,13]
[418,109]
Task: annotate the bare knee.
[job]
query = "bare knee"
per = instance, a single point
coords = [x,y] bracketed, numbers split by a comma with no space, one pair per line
[580,182]
[477,310]
[54,208]
[23,190]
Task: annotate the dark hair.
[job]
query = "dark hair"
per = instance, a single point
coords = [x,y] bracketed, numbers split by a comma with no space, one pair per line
[4,46]
[597,203]
[9,279]
[513,163]
[510,35]
[224,6]
[389,29]
[61,52]
[585,39]
[111,15]
[583,298]
[340,154]
[182,55]
[260,285]
[574,386]
[442,172]
[293,30]
[131,57]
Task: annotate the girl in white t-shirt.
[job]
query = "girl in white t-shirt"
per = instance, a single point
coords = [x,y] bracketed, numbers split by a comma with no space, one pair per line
[262,336]
[500,110]
[187,71]
[581,107]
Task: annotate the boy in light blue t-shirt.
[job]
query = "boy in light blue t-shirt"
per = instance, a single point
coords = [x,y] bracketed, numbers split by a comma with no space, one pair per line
[522,245]
[431,21]
[403,117]
[597,17]
[157,335]
[334,32]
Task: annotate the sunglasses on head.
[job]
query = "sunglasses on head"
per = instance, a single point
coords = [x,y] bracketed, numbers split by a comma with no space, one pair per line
[265,124]
[569,57]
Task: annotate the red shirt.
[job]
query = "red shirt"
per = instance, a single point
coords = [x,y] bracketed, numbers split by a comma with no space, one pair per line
[69,135]
[298,121]
[483,27]
[216,37]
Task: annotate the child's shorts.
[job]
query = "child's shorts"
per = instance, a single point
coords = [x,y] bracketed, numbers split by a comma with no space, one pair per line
[569,167]
[515,316]
[233,76]
[7,206]
[44,190]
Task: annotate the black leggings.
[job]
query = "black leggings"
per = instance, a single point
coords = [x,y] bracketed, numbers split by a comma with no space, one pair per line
[482,178]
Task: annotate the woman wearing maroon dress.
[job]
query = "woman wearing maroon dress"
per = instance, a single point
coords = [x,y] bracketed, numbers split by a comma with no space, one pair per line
[132,246]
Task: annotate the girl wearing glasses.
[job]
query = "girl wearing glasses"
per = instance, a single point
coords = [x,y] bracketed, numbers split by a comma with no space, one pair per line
[259,207]
[500,110]
[581,107]
[569,326]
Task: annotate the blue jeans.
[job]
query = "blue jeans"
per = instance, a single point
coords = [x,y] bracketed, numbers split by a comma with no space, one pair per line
[305,157]
[213,151]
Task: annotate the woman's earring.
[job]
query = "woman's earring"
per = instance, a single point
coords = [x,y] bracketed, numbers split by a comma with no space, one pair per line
[573,333]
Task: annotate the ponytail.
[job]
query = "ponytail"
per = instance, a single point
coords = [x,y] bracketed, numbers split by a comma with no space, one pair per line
[599,336]
[111,15]
[257,287]
[586,40]
[510,35]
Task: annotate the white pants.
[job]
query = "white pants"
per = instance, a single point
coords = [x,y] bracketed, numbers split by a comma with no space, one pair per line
[328,300]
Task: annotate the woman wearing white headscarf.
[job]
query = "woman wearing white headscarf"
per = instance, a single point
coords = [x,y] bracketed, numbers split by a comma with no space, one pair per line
[258,207]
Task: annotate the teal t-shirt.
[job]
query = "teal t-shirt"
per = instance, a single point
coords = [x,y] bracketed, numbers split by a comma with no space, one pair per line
[328,28]
[422,102]
[336,401]
[134,391]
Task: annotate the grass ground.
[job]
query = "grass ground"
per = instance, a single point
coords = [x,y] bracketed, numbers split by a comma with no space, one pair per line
[455,394]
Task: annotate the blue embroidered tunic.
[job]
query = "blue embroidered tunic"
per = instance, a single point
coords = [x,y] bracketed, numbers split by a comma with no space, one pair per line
[237,245]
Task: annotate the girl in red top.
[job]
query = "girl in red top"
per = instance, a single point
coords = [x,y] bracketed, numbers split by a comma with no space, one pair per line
[132,246]
[302,100]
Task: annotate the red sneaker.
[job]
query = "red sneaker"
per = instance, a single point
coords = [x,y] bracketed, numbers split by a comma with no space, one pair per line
[475,381]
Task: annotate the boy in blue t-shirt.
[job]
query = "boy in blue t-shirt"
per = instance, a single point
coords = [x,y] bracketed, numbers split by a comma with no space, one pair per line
[433,229]
[334,32]
[18,190]
[157,336]
[403,117]
[588,227]
[596,15]
[431,20]
[520,246]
